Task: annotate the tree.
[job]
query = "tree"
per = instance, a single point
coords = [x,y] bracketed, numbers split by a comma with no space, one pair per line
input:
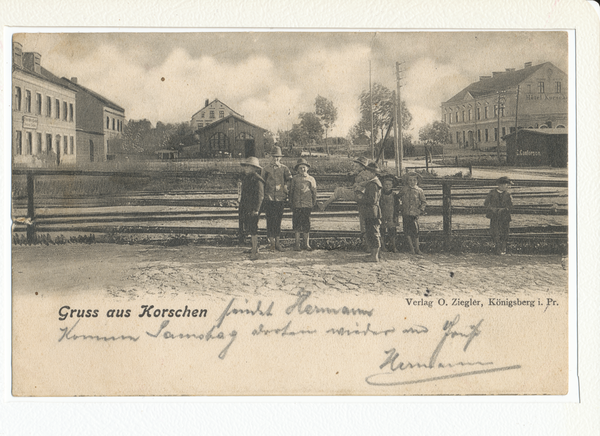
[269,140]
[136,136]
[435,134]
[383,108]
[311,127]
[327,114]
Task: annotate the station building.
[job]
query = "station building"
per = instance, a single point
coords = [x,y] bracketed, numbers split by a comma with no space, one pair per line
[229,137]
[43,114]
[541,92]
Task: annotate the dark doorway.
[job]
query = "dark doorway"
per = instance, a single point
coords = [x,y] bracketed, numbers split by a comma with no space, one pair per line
[249,147]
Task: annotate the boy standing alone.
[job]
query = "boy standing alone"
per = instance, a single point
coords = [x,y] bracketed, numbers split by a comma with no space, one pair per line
[499,204]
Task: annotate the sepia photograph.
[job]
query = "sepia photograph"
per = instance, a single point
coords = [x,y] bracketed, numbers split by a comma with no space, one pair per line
[284,212]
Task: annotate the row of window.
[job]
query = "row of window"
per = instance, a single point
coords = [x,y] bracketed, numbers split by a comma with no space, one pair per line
[211,114]
[461,137]
[466,116]
[116,124]
[25,145]
[56,110]
[542,90]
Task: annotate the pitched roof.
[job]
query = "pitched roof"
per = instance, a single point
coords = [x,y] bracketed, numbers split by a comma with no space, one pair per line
[44,75]
[553,132]
[237,117]
[215,100]
[78,87]
[500,82]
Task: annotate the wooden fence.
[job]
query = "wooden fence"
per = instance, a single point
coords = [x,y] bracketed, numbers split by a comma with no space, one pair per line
[223,207]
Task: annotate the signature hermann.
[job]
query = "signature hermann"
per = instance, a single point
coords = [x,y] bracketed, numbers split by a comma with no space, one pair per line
[392,360]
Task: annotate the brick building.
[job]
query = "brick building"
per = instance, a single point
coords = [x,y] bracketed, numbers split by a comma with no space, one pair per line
[43,114]
[472,114]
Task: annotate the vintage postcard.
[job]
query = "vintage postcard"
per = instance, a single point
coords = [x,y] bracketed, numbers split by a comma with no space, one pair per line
[267,213]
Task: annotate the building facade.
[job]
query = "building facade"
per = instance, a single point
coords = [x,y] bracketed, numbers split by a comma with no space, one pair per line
[210,113]
[44,114]
[100,124]
[229,137]
[533,97]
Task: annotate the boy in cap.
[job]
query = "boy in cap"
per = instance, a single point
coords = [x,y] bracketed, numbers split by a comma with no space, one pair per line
[370,212]
[303,197]
[389,204]
[253,190]
[352,193]
[277,180]
[413,205]
[499,204]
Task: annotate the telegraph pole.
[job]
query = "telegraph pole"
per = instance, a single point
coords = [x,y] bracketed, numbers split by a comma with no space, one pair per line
[501,101]
[399,147]
[371,107]
[517,117]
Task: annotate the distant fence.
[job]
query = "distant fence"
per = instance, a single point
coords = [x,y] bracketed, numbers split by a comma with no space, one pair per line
[445,190]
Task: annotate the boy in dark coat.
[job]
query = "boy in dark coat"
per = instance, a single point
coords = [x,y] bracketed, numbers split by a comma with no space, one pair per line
[368,208]
[389,204]
[253,192]
[499,204]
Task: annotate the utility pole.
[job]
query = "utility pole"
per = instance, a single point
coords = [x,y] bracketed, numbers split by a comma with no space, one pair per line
[517,117]
[399,147]
[371,107]
[396,143]
[500,105]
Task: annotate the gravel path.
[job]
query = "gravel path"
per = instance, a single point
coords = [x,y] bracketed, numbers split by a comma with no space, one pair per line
[136,272]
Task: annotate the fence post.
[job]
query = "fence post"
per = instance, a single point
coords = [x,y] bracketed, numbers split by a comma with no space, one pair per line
[447,211]
[30,209]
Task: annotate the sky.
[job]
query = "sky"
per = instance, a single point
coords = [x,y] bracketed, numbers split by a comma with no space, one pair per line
[271,77]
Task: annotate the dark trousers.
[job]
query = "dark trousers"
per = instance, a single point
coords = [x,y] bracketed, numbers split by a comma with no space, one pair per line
[388,234]
[274,214]
[499,229]
[372,234]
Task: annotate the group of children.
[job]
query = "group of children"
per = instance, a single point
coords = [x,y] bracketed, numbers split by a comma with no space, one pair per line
[379,207]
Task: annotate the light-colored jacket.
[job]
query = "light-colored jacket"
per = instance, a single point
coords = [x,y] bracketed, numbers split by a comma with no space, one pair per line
[303,192]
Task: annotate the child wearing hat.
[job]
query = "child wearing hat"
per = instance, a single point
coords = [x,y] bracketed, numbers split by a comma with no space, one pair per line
[252,195]
[390,205]
[370,212]
[499,204]
[277,180]
[413,205]
[354,192]
[303,197]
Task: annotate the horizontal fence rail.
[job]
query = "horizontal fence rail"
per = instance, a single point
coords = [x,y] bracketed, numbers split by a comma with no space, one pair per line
[222,205]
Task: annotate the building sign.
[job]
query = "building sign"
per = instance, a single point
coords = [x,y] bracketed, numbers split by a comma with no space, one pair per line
[528,153]
[545,97]
[30,122]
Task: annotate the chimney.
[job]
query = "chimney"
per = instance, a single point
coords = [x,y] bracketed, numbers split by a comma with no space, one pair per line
[206,102]
[32,61]
[484,77]
[497,73]
[74,80]
[17,53]
[528,64]
[510,70]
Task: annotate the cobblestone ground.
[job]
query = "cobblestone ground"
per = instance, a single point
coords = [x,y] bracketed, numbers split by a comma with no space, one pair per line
[136,272]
